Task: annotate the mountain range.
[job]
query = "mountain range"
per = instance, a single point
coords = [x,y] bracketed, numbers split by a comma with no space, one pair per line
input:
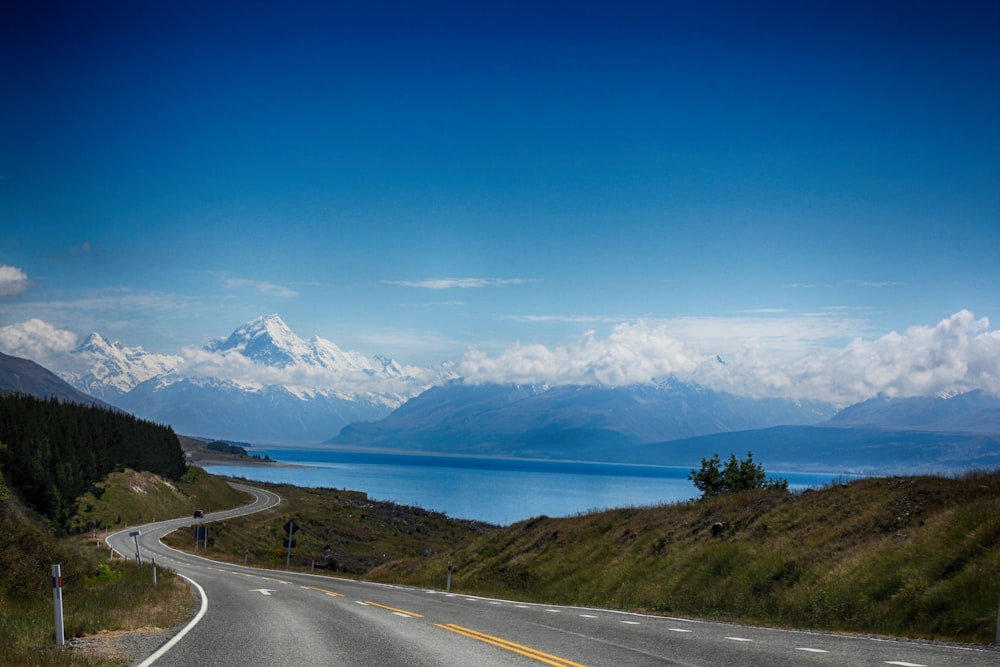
[263,383]
[676,424]
[573,421]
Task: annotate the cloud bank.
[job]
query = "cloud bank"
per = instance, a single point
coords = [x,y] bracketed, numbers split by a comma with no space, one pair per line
[959,353]
[779,357]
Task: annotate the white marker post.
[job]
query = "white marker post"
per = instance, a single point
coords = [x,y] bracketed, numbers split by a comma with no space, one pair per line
[57,598]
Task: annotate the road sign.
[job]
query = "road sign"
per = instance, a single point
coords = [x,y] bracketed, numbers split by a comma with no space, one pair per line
[291,526]
[289,543]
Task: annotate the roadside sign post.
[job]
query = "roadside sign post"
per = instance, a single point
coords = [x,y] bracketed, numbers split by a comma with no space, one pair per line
[448,589]
[57,598]
[135,535]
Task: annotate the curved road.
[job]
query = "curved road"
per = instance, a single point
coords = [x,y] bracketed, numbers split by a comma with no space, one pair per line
[251,616]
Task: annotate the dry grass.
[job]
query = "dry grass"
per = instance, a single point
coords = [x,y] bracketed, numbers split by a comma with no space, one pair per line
[341,531]
[901,556]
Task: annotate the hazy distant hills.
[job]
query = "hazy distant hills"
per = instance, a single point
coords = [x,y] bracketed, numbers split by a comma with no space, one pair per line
[827,449]
[675,423]
[568,421]
[23,376]
[227,409]
[971,412]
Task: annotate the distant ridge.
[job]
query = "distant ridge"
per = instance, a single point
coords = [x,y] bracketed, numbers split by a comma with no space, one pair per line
[970,412]
[23,376]
[568,422]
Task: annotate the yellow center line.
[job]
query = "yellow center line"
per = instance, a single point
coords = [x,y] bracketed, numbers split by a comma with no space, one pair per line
[323,590]
[398,611]
[520,649]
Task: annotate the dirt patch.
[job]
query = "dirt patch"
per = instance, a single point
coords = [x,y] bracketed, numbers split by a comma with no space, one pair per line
[122,647]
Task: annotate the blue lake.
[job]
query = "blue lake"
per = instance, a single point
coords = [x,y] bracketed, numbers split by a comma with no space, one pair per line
[499,491]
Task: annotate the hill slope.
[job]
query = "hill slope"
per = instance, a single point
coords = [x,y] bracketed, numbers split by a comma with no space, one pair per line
[23,376]
[905,556]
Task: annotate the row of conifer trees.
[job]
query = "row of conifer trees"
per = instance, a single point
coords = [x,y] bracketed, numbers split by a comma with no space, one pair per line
[51,452]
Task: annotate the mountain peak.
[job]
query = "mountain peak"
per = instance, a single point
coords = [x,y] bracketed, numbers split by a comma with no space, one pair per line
[266,340]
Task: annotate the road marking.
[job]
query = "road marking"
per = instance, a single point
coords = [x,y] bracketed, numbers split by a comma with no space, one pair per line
[739,639]
[904,664]
[587,616]
[393,609]
[631,623]
[280,581]
[520,649]
[811,650]
[262,591]
[679,630]
[186,629]
[323,590]
[554,611]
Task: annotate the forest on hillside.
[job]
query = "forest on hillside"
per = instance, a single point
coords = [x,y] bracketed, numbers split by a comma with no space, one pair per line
[52,452]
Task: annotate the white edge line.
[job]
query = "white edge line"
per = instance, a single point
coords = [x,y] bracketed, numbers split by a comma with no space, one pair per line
[186,629]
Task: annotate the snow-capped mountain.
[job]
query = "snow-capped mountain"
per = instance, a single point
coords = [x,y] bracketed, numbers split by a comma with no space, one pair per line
[268,341]
[262,382]
[108,369]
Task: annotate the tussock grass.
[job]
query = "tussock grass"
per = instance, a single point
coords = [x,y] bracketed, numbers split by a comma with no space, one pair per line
[906,556]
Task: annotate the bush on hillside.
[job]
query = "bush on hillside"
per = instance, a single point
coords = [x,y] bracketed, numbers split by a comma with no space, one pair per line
[737,475]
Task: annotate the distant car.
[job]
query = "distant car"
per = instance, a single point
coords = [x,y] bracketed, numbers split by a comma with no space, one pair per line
[199,514]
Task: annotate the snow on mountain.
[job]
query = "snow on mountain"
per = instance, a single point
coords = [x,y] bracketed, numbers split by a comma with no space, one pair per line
[268,341]
[261,382]
[108,369]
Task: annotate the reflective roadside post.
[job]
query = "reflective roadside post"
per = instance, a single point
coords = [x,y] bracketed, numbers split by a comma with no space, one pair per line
[57,598]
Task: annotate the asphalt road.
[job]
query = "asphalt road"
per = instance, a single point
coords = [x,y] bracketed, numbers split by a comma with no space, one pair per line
[251,616]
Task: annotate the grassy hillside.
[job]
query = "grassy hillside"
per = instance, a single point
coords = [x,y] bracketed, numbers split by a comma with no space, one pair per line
[97,595]
[915,556]
[343,531]
[130,498]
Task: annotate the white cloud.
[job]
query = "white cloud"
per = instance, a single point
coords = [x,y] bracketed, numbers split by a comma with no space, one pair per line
[261,286]
[37,340]
[463,283]
[779,357]
[13,281]
[632,353]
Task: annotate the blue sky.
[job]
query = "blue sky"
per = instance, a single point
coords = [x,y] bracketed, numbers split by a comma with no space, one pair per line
[505,183]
